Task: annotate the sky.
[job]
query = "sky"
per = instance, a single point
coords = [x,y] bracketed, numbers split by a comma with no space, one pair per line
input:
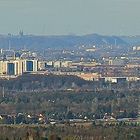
[64,17]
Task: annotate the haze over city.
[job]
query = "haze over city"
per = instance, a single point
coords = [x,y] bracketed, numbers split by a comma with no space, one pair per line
[69,70]
[59,17]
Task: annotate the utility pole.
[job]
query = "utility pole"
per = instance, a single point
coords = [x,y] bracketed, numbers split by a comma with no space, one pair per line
[9,45]
[139,108]
[3,92]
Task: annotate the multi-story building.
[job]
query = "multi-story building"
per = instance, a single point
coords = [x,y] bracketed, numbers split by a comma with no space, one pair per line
[17,67]
[31,66]
[3,67]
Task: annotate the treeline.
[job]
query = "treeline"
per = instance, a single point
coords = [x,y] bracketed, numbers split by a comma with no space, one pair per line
[61,105]
[37,82]
[69,133]
[68,97]
[40,82]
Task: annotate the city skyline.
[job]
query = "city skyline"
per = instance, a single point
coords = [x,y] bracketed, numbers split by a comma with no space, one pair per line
[52,17]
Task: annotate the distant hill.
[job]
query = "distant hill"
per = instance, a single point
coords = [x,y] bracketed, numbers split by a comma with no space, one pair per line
[43,82]
[131,40]
[65,41]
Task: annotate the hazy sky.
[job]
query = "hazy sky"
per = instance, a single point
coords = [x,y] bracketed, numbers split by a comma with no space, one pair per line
[53,17]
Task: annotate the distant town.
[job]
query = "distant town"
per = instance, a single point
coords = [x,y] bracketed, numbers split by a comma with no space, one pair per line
[82,86]
[110,69]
